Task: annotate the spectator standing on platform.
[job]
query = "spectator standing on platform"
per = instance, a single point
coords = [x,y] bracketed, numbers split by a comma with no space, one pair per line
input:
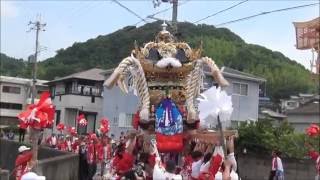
[23,160]
[83,164]
[10,135]
[277,172]
[22,132]
[2,134]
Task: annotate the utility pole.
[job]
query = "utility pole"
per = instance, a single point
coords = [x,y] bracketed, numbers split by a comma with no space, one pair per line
[174,21]
[175,16]
[35,133]
[37,26]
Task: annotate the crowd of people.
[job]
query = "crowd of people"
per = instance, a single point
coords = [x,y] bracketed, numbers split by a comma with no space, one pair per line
[131,156]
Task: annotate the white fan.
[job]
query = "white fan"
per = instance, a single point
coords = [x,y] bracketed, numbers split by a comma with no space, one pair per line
[213,103]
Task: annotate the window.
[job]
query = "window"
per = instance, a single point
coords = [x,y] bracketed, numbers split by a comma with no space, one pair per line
[125,120]
[92,99]
[240,89]
[11,89]
[59,89]
[244,89]
[15,106]
[58,113]
[236,88]
[115,121]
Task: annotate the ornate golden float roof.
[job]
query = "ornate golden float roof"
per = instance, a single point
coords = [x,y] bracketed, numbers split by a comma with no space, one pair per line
[165,46]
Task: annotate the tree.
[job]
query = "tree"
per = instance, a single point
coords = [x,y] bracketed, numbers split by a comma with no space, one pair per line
[262,137]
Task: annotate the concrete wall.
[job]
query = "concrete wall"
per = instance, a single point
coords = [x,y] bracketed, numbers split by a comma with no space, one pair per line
[301,121]
[116,102]
[60,167]
[255,167]
[244,107]
[50,161]
[4,174]
[78,101]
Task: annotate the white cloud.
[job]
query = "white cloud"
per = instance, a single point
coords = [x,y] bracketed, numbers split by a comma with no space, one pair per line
[8,9]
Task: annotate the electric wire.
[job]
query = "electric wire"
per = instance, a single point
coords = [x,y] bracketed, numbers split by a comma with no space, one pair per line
[267,12]
[221,11]
[129,10]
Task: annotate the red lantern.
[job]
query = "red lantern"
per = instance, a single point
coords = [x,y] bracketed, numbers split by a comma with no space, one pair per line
[313,130]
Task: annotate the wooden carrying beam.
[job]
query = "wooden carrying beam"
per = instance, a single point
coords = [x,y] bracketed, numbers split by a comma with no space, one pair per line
[211,137]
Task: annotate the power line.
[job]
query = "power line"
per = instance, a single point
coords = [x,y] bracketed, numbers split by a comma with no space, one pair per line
[162,11]
[268,12]
[132,12]
[221,11]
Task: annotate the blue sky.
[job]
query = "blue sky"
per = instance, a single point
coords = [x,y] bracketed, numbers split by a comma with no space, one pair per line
[78,21]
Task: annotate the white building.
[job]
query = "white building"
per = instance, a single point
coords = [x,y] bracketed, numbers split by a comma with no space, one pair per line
[15,95]
[79,93]
[295,101]
[308,113]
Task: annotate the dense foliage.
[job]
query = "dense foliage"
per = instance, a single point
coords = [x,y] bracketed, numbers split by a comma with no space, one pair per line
[284,76]
[262,137]
[13,67]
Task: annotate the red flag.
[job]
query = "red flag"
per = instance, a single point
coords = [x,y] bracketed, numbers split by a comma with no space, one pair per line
[40,115]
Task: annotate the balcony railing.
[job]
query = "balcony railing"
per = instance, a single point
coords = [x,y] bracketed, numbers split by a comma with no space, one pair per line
[81,93]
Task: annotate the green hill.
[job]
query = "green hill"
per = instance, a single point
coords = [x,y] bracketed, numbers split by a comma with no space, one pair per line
[13,67]
[284,76]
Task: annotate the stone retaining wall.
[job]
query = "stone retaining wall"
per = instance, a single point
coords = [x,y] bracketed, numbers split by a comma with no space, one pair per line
[52,163]
[257,167]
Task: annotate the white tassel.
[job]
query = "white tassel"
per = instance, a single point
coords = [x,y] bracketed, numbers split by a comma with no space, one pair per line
[165,62]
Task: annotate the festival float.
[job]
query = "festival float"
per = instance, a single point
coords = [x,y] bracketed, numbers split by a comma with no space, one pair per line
[167,76]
